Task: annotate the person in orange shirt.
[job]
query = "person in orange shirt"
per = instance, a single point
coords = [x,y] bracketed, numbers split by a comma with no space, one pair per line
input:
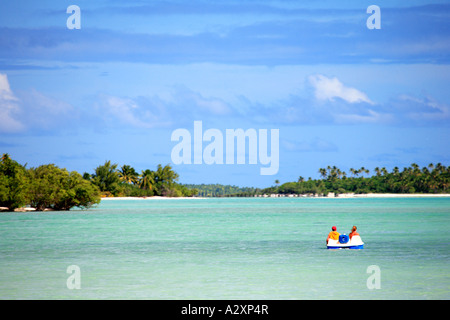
[353,233]
[333,235]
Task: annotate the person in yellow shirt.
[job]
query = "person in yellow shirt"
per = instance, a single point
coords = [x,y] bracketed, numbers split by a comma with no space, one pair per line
[334,235]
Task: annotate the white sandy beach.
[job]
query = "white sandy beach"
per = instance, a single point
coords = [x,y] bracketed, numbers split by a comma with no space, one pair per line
[342,196]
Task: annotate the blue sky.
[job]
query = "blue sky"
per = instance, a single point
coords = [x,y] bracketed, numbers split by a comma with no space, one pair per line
[339,93]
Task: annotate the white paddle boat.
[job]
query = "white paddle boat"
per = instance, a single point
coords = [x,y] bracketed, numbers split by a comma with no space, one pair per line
[344,242]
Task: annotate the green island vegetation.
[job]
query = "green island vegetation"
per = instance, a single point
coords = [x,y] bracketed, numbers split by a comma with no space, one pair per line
[413,179]
[126,182]
[220,190]
[48,187]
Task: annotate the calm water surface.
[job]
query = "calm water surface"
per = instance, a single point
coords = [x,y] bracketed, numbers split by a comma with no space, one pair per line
[234,248]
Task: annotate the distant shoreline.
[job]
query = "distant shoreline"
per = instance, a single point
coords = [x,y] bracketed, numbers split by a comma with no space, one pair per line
[339,196]
[330,196]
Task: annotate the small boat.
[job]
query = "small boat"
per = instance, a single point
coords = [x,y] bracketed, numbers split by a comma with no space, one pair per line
[344,242]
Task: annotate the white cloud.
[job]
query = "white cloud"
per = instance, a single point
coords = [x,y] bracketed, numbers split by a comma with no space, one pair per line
[9,108]
[178,106]
[330,88]
[197,103]
[214,106]
[23,111]
[5,90]
[135,112]
[422,109]
[43,112]
[124,109]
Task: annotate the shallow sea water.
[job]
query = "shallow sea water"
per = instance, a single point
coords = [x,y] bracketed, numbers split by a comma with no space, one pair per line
[230,248]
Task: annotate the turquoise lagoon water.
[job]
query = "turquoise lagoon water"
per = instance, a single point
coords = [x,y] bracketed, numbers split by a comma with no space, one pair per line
[232,248]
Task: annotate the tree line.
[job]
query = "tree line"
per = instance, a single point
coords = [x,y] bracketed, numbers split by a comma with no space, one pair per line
[126,182]
[50,187]
[44,187]
[220,190]
[413,179]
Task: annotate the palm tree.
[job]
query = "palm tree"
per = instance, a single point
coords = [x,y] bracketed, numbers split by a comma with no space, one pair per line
[127,174]
[169,175]
[323,172]
[339,173]
[334,173]
[416,170]
[378,171]
[147,180]
[364,170]
[165,175]
[106,177]
[164,179]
